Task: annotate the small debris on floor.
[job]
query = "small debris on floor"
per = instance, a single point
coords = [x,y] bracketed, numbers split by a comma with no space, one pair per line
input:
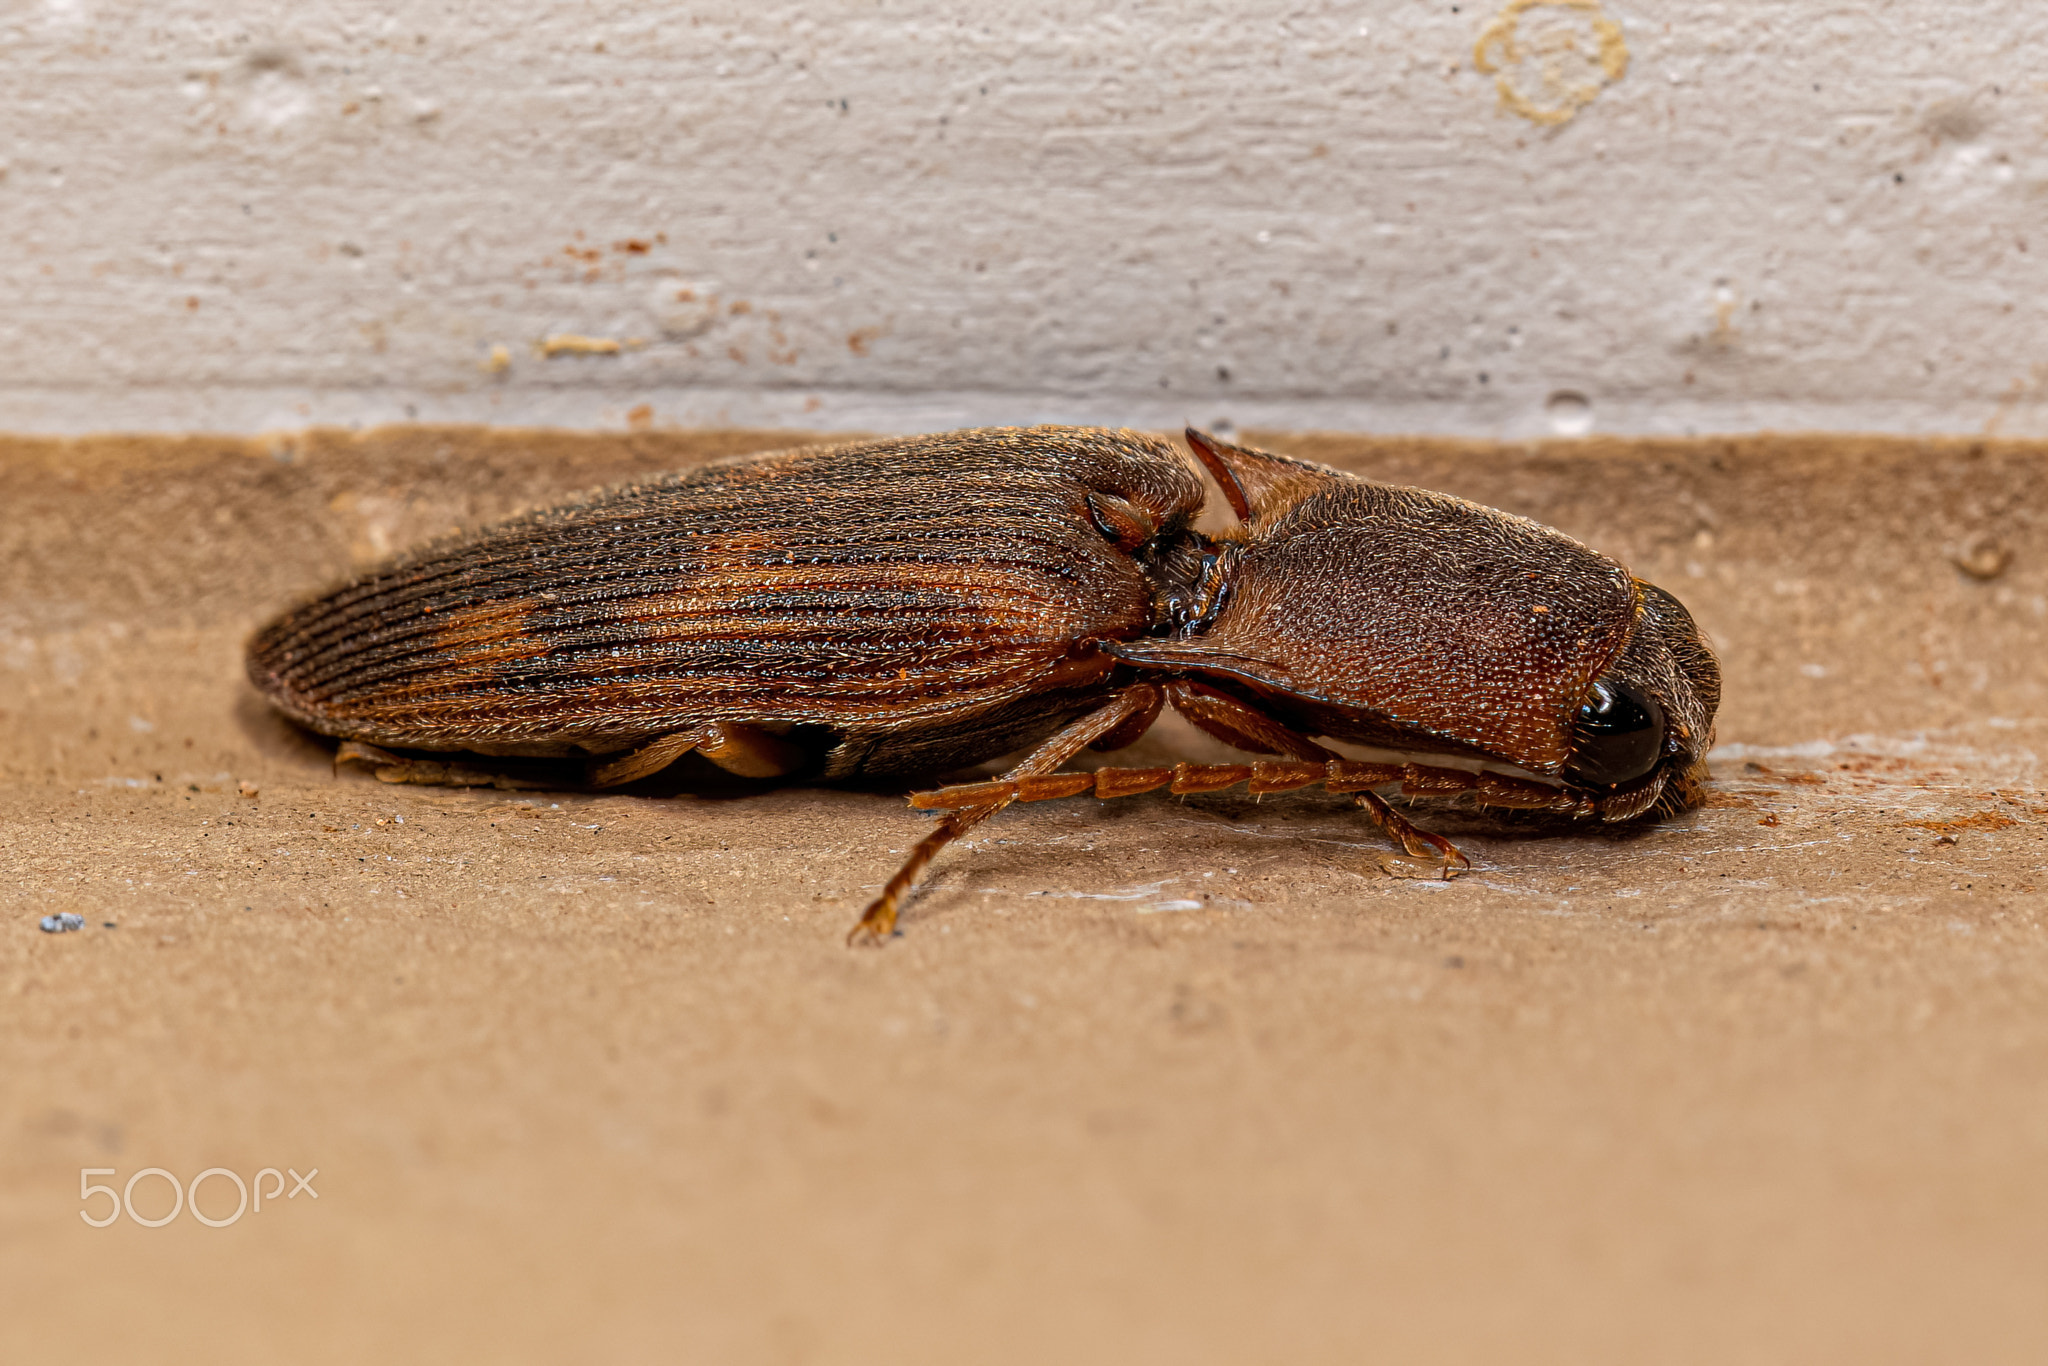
[66,920]
[1981,557]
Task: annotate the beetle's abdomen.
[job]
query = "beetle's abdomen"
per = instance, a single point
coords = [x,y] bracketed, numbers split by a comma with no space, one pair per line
[872,588]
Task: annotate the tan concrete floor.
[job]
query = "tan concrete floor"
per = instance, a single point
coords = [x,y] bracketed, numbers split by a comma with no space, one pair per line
[591,1077]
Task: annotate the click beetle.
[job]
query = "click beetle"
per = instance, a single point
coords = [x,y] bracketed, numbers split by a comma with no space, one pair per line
[917,605]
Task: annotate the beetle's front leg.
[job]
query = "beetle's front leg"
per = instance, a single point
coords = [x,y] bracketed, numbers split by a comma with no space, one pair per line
[1428,856]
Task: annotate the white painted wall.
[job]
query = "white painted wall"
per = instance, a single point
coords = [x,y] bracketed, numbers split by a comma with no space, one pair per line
[898,215]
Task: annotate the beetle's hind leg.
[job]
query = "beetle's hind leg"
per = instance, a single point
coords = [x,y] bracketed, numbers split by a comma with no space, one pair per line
[1129,711]
[879,921]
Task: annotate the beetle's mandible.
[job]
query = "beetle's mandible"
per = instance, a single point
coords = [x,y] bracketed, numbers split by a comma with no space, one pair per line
[917,605]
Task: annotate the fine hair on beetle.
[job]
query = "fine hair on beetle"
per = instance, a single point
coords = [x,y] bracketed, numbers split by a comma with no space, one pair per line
[919,605]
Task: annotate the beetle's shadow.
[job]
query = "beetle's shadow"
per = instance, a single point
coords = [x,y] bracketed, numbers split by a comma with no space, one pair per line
[274,736]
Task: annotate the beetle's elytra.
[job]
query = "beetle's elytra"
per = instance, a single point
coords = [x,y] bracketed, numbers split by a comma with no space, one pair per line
[917,605]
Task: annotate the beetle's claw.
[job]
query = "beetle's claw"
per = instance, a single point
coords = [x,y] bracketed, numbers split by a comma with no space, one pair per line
[1424,855]
[1431,867]
[876,927]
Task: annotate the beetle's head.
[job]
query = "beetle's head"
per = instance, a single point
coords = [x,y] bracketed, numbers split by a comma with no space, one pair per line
[1412,620]
[1640,735]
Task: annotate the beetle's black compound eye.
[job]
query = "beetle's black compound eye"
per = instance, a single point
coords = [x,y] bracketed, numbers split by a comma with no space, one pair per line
[1618,735]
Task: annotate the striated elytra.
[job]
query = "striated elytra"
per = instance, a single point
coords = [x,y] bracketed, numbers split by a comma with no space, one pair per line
[917,605]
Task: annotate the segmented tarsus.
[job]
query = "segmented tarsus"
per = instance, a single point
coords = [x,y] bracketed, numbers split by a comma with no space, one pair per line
[1337,775]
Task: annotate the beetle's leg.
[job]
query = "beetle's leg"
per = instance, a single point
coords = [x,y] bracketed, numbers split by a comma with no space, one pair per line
[1428,856]
[745,750]
[1131,728]
[1181,778]
[1239,726]
[396,768]
[1492,789]
[749,751]
[651,757]
[878,922]
[1488,789]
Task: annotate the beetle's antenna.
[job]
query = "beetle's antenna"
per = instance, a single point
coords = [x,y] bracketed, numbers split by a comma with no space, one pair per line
[1208,451]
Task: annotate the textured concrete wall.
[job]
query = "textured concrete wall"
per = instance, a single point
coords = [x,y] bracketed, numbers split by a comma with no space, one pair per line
[1503,217]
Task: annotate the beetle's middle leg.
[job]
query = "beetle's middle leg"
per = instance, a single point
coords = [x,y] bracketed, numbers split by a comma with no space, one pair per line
[1126,714]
